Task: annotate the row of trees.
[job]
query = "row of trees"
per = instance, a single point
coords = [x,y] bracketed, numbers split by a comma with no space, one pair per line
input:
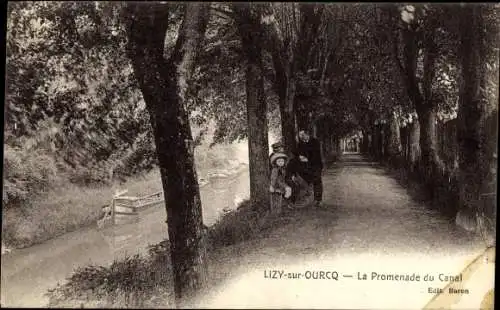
[87,83]
[354,66]
[448,61]
[291,46]
[378,65]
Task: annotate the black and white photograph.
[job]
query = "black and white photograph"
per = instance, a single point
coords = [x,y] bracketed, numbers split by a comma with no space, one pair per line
[250,155]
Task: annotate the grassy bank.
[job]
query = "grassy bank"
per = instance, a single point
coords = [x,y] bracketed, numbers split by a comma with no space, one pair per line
[65,207]
[441,195]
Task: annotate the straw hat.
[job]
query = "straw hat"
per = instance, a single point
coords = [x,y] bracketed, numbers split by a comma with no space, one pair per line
[276,156]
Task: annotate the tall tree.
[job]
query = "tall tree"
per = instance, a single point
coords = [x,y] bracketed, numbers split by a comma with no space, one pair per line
[164,84]
[420,53]
[282,33]
[292,32]
[311,17]
[478,103]
[248,18]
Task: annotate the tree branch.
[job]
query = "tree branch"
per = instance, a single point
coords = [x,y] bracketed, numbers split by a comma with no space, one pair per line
[156,25]
[222,13]
[334,94]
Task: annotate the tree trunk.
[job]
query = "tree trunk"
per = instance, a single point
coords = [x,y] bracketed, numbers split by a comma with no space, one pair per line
[383,142]
[310,21]
[249,28]
[285,87]
[375,142]
[284,81]
[325,149]
[431,162]
[423,101]
[369,147]
[301,114]
[414,142]
[394,143]
[365,142]
[371,142]
[387,140]
[163,85]
[449,152]
[475,107]
[380,143]
[332,146]
[431,167]
[404,134]
[324,135]
[288,114]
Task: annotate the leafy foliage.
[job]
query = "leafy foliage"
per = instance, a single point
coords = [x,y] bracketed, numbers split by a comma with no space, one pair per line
[219,87]
[71,96]
[25,174]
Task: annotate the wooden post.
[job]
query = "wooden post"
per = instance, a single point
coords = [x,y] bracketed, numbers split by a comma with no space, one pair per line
[113,211]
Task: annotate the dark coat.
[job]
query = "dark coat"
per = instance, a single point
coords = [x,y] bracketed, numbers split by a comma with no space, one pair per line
[297,168]
[311,150]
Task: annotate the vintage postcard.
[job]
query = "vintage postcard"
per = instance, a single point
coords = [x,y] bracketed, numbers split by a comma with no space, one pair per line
[250,155]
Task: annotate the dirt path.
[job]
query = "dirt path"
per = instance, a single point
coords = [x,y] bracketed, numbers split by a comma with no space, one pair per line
[368,225]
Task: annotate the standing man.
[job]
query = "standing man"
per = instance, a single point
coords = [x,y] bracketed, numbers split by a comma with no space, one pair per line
[309,151]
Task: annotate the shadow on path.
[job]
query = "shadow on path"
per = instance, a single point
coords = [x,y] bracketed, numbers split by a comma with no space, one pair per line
[369,223]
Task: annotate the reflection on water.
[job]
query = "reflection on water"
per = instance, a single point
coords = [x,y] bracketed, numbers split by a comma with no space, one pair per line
[28,273]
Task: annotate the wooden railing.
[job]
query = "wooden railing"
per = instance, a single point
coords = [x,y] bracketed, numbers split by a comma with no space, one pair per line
[125,209]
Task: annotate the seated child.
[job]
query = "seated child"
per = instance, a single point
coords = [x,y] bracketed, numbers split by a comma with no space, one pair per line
[278,188]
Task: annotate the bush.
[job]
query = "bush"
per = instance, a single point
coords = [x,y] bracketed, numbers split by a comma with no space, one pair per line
[441,191]
[216,157]
[26,174]
[131,282]
[86,176]
[236,226]
[58,211]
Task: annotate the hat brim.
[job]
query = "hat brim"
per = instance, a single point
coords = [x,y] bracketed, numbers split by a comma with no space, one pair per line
[275,157]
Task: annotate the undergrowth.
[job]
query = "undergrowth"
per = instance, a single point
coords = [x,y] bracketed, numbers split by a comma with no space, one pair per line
[441,193]
[131,282]
[63,209]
